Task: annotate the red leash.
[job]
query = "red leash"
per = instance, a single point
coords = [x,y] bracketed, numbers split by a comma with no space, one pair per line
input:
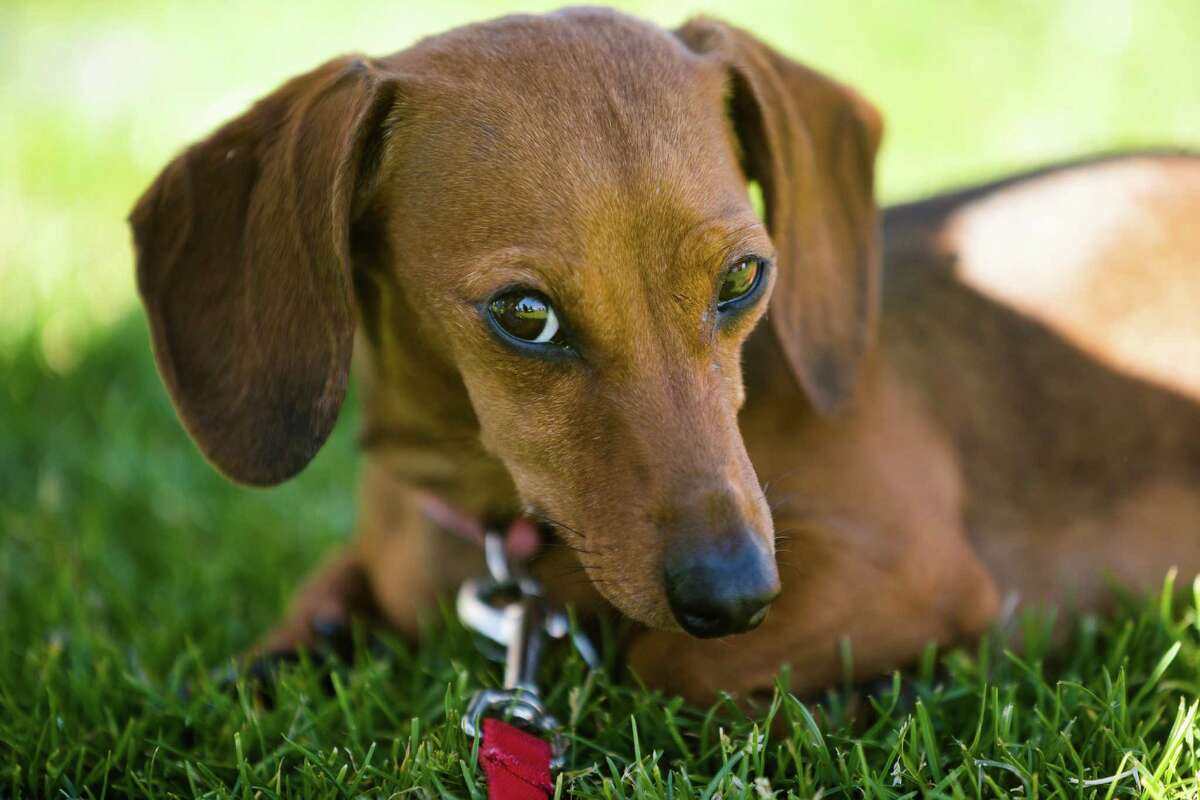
[516,763]
[508,608]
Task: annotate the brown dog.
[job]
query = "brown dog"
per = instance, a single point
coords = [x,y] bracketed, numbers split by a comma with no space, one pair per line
[536,233]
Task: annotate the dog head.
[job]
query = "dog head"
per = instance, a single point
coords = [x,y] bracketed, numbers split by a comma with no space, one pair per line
[557,210]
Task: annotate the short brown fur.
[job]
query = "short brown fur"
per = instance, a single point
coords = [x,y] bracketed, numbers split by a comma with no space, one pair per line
[928,449]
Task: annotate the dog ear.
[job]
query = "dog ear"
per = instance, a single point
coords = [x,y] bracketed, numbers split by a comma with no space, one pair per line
[810,143]
[243,264]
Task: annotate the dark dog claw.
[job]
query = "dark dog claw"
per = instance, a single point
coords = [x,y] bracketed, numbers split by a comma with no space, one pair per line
[334,635]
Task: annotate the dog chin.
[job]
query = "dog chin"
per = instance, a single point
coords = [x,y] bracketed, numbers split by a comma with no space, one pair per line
[653,613]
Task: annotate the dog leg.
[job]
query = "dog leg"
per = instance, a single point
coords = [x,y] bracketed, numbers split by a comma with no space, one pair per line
[395,570]
[321,612]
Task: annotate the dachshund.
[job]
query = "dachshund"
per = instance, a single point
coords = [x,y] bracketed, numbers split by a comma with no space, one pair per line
[631,287]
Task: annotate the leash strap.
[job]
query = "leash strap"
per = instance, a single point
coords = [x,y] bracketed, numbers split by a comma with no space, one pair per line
[516,763]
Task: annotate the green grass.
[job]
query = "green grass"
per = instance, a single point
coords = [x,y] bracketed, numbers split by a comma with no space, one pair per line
[128,569]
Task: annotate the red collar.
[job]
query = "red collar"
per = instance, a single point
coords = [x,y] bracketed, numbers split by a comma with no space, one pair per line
[522,539]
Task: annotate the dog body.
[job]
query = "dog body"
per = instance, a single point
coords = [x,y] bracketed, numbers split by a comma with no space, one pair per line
[1029,470]
[927,450]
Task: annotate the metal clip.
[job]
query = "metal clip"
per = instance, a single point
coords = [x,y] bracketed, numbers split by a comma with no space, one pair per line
[508,609]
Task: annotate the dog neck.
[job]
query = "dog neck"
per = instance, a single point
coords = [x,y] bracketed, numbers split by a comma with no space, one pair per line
[418,423]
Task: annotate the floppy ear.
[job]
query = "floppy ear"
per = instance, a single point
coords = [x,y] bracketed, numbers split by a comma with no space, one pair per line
[243,263]
[810,143]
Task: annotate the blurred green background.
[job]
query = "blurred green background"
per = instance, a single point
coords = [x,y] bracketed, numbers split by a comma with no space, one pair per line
[126,564]
[95,97]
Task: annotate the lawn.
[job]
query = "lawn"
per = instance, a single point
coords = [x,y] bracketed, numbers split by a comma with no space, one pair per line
[129,571]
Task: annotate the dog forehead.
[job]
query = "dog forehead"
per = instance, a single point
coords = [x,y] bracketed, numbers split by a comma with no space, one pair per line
[530,48]
[564,126]
[582,95]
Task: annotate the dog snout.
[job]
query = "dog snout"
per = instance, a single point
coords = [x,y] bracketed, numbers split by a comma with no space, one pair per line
[721,586]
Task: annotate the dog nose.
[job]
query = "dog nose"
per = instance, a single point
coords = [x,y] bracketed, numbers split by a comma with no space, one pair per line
[722,586]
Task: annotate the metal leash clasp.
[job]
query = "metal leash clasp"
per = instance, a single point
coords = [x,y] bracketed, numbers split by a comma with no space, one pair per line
[509,609]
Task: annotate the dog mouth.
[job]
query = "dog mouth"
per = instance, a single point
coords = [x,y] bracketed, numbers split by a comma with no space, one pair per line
[551,532]
[613,582]
[705,592]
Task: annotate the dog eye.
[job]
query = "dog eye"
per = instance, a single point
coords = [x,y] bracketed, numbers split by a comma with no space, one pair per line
[740,280]
[527,316]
